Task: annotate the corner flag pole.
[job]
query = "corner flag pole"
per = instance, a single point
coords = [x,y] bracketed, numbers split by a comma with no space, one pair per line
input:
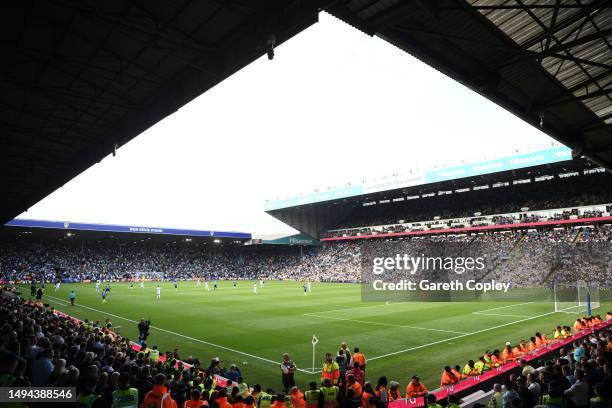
[315,340]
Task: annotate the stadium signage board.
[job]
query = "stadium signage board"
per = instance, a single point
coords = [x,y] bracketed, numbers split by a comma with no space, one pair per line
[79,226]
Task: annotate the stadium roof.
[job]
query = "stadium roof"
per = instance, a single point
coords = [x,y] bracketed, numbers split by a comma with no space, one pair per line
[546,61]
[436,174]
[81,78]
[105,229]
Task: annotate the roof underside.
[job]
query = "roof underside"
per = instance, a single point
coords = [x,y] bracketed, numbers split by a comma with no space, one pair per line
[549,62]
[78,78]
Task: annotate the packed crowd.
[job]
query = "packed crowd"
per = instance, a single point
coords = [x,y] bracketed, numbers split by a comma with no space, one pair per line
[41,348]
[594,190]
[524,259]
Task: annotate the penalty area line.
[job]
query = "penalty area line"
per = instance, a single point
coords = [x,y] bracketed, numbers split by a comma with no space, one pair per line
[497,314]
[381,323]
[58,300]
[504,307]
[457,337]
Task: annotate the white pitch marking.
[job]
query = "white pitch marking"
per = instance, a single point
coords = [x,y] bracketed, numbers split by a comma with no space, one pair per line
[503,307]
[498,314]
[381,324]
[182,335]
[457,337]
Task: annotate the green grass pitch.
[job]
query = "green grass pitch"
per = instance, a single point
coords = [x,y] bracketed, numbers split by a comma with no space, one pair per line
[252,331]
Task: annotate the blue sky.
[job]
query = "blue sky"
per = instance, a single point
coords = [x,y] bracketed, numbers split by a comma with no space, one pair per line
[334,106]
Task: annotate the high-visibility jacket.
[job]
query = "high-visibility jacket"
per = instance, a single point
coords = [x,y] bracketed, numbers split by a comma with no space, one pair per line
[395,394]
[479,366]
[507,355]
[564,333]
[360,358]
[278,404]
[126,398]
[448,379]
[312,398]
[331,371]
[357,388]
[365,399]
[154,355]
[330,395]
[415,390]
[243,389]
[194,404]
[158,397]
[382,394]
[87,401]
[238,405]
[358,374]
[456,373]
[468,371]
[297,399]
[223,403]
[265,400]
[557,335]
[532,346]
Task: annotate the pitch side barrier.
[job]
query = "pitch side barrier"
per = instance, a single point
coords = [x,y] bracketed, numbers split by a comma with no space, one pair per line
[485,381]
[221,381]
[473,229]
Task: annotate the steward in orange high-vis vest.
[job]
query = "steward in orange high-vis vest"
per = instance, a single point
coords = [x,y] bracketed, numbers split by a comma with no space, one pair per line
[297,398]
[532,344]
[448,377]
[394,391]
[195,401]
[415,388]
[355,386]
[159,397]
[358,357]
[508,354]
[543,340]
[331,370]
[578,326]
[279,402]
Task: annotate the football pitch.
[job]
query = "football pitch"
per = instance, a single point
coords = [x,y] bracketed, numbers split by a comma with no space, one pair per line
[253,330]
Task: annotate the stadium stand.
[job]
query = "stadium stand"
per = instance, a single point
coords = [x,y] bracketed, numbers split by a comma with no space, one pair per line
[42,348]
[26,257]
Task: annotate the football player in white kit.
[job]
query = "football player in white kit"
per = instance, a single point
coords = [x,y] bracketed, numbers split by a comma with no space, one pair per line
[158,292]
[97,286]
[255,288]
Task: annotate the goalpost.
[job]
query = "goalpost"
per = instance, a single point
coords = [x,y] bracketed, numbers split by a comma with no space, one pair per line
[582,297]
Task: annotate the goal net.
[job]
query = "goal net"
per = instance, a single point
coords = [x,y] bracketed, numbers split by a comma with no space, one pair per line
[581,297]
